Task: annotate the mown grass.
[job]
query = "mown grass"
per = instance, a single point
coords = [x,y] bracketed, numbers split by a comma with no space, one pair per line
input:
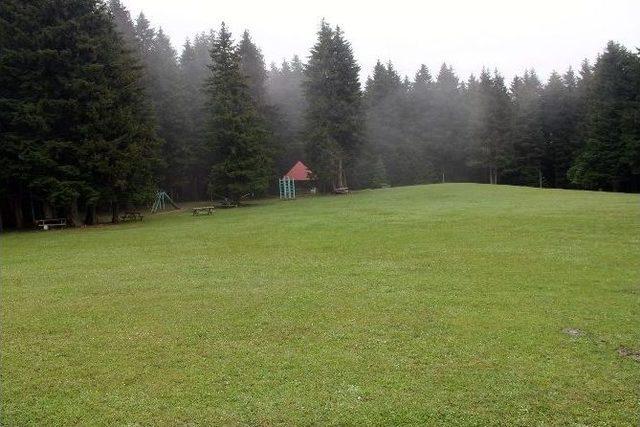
[415,305]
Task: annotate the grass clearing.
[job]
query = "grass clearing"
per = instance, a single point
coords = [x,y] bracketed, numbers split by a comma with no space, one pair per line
[397,306]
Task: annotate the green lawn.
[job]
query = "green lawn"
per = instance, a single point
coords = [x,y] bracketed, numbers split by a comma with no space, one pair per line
[414,305]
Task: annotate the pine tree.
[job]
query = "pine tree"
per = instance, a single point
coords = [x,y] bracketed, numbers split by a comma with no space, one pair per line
[526,165]
[422,81]
[472,114]
[162,81]
[420,121]
[122,20]
[144,35]
[194,62]
[610,158]
[379,174]
[77,131]
[582,101]
[334,118]
[489,125]
[285,92]
[169,104]
[559,119]
[253,68]
[386,101]
[447,135]
[237,132]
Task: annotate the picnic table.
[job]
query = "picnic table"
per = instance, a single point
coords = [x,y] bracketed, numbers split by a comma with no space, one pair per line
[228,203]
[48,223]
[203,209]
[131,216]
[341,190]
[225,204]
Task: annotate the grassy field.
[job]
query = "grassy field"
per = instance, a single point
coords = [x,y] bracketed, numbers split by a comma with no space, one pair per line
[442,303]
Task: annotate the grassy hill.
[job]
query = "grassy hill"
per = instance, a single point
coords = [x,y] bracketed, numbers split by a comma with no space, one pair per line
[459,303]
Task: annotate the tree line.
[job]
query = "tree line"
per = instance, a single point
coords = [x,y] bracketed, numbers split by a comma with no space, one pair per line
[98,111]
[572,131]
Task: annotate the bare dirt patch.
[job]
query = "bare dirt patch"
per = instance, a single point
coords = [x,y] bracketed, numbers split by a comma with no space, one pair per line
[628,352]
[573,332]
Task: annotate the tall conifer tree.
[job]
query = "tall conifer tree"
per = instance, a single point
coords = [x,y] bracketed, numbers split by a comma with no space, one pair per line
[237,131]
[559,112]
[285,92]
[448,124]
[334,119]
[610,159]
[253,68]
[489,125]
[76,127]
[194,62]
[529,152]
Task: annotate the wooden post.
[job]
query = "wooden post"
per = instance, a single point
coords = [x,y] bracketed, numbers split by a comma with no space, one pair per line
[540,177]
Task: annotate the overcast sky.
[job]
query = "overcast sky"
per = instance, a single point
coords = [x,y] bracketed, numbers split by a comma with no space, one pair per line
[507,35]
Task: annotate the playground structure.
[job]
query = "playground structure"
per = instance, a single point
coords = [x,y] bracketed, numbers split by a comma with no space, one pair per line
[299,179]
[161,201]
[287,187]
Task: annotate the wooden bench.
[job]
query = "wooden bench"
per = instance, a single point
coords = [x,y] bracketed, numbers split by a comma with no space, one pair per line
[131,216]
[226,204]
[48,223]
[203,209]
[341,190]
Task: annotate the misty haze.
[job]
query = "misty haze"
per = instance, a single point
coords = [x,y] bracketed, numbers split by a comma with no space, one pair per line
[332,213]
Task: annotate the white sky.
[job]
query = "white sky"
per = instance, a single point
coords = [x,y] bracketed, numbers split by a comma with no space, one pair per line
[510,35]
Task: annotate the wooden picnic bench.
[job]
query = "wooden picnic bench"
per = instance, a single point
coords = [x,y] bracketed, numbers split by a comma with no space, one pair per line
[341,190]
[48,223]
[225,204]
[203,209]
[131,216]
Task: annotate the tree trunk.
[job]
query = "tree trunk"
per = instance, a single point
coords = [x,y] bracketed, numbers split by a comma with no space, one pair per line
[340,183]
[115,212]
[540,177]
[196,189]
[73,216]
[47,210]
[15,204]
[33,209]
[443,179]
[615,185]
[90,218]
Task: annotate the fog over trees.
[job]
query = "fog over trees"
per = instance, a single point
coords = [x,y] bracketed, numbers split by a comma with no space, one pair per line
[98,110]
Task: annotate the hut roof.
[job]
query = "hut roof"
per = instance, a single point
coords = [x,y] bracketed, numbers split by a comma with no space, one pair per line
[299,172]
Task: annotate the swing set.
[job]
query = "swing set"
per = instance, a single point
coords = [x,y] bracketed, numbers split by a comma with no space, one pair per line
[161,201]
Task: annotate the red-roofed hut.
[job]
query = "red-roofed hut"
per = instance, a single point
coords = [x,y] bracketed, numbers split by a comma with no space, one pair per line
[300,172]
[303,177]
